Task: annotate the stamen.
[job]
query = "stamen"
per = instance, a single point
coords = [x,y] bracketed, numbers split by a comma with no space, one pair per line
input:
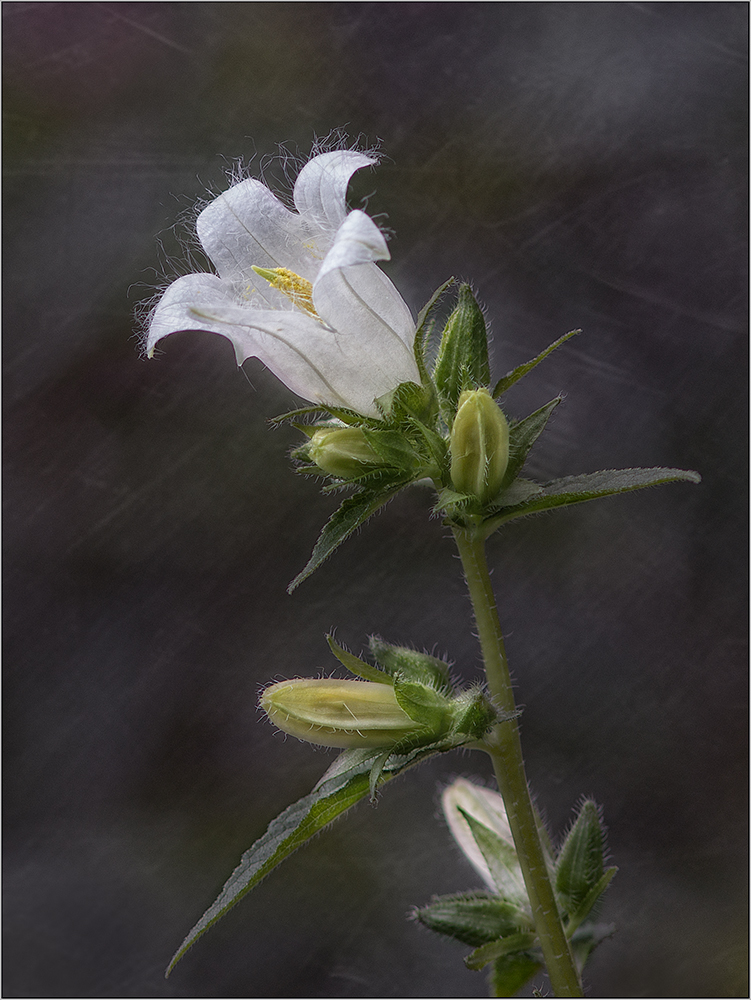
[298,290]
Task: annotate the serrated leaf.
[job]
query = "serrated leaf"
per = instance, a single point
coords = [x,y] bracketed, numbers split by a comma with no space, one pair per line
[501,859]
[472,918]
[486,953]
[410,664]
[578,489]
[522,435]
[343,522]
[356,666]
[344,784]
[519,491]
[513,376]
[462,361]
[511,972]
[339,789]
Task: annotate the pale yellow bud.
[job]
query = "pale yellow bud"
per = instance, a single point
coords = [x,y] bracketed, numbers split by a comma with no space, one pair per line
[334,713]
[342,451]
[479,445]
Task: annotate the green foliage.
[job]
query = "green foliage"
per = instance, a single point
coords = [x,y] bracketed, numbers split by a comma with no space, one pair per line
[462,361]
[500,926]
[474,918]
[578,489]
[513,376]
[410,664]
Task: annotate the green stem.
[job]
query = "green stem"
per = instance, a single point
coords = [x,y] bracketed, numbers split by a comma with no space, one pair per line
[504,747]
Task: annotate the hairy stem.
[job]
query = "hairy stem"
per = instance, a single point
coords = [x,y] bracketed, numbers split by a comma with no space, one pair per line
[504,747]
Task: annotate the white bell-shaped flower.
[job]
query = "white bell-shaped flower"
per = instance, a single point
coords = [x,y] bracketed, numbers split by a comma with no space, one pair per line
[299,289]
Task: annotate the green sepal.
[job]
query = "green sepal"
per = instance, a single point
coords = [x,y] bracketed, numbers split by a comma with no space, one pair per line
[522,435]
[347,416]
[462,361]
[357,666]
[343,522]
[486,953]
[410,664]
[394,448]
[501,859]
[434,450]
[424,327]
[513,376]
[408,400]
[511,972]
[474,713]
[580,863]
[578,489]
[474,918]
[424,705]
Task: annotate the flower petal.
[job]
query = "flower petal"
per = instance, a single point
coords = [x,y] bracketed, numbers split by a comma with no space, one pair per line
[321,188]
[249,225]
[352,295]
[312,360]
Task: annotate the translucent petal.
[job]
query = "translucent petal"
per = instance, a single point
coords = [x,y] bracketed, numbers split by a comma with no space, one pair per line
[484,805]
[249,225]
[353,296]
[321,188]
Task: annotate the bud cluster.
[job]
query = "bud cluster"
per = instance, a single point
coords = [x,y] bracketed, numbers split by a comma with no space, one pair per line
[405,701]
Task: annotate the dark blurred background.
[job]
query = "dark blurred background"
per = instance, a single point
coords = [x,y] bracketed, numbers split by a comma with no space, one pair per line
[584,165]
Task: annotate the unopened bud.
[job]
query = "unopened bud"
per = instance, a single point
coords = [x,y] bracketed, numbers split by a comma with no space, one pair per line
[342,451]
[479,445]
[334,713]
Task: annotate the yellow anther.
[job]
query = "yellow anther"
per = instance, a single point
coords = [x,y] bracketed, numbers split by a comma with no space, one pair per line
[298,289]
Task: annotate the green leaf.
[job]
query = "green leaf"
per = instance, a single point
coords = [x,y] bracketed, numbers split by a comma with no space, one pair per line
[578,489]
[423,328]
[343,522]
[480,957]
[410,664]
[513,376]
[580,864]
[462,361]
[344,784]
[357,666]
[522,435]
[472,918]
[501,859]
[511,972]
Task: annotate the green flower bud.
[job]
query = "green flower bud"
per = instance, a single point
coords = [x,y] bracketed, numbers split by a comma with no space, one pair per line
[334,713]
[342,451]
[479,445]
